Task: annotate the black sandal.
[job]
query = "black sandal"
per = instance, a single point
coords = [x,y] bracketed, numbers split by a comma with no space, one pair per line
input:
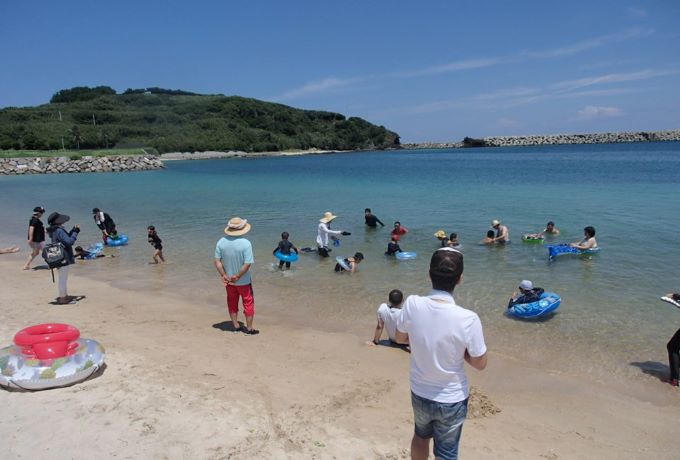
[250,331]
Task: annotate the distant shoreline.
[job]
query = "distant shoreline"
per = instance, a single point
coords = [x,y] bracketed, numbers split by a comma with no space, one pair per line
[212,155]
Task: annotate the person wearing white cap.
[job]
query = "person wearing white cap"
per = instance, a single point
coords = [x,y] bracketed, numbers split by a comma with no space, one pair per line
[502,232]
[527,294]
[324,230]
[233,258]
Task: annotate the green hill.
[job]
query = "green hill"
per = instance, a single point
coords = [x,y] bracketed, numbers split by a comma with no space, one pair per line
[173,120]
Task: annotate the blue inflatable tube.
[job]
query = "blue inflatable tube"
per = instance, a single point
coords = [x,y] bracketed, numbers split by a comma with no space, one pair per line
[562,249]
[406,255]
[120,240]
[548,303]
[94,250]
[292,257]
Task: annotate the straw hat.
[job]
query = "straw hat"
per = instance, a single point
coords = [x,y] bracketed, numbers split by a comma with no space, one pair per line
[327,217]
[237,227]
[495,222]
[441,234]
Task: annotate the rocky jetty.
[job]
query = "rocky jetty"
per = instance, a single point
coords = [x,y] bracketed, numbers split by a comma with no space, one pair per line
[59,165]
[554,139]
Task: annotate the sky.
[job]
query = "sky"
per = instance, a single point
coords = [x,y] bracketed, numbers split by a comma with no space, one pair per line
[431,71]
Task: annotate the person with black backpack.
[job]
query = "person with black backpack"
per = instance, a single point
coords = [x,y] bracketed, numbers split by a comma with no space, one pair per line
[59,254]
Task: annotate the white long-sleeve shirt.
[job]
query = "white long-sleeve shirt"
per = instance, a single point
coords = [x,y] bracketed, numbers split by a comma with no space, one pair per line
[322,236]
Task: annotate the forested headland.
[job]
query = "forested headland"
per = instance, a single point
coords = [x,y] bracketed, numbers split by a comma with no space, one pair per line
[177,121]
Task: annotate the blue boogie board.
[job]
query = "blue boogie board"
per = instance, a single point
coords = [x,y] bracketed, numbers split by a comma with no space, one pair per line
[94,250]
[406,255]
[562,249]
[546,304]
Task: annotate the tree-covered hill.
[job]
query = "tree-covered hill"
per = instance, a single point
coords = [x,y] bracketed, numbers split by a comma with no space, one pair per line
[174,120]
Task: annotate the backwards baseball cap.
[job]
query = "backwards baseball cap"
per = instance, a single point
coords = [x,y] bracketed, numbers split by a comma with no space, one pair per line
[526,285]
[38,209]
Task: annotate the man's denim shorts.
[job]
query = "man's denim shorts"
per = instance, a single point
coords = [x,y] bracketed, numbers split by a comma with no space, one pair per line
[441,421]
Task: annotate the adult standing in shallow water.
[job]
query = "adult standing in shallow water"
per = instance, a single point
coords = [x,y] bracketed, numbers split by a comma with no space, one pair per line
[371,219]
[233,259]
[323,232]
[502,232]
[442,336]
[105,223]
[36,235]
[58,234]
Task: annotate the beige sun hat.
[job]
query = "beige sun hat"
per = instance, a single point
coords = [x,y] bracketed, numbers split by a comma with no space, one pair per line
[237,227]
[440,234]
[327,217]
[495,222]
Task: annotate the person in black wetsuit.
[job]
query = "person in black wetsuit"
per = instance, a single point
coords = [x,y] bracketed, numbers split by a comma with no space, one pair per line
[393,248]
[527,294]
[284,248]
[350,263]
[156,242]
[105,224]
[371,220]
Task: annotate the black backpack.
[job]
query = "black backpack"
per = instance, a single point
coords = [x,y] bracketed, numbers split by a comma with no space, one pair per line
[55,255]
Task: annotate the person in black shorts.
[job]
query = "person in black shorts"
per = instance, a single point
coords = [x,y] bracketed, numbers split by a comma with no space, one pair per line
[105,224]
[371,220]
[284,248]
[36,235]
[155,241]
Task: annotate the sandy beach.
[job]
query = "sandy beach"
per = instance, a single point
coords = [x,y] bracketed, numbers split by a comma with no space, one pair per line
[176,385]
[212,155]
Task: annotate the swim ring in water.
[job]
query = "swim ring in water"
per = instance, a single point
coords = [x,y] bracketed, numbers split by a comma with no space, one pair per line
[546,304]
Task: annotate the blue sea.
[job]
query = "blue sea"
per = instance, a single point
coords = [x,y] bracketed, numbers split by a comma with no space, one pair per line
[610,317]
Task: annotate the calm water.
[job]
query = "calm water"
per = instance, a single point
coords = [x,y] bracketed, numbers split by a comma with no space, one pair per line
[610,315]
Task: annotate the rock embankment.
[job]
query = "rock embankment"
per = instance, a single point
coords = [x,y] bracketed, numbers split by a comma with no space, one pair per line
[600,138]
[553,139]
[58,165]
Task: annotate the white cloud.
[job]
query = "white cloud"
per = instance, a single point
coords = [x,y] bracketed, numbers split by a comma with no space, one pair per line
[636,13]
[322,86]
[333,83]
[505,122]
[592,112]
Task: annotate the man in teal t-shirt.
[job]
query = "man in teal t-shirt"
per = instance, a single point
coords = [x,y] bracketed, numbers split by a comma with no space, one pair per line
[233,258]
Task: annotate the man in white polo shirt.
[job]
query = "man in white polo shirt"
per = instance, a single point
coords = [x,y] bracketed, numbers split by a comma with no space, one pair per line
[443,336]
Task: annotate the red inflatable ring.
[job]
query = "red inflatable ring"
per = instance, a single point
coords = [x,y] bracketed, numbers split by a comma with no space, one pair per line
[48,341]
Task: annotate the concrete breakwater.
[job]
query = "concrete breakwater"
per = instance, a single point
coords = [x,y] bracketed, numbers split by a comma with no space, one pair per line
[555,139]
[58,165]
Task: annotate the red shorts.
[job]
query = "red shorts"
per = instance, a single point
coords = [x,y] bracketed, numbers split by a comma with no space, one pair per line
[245,292]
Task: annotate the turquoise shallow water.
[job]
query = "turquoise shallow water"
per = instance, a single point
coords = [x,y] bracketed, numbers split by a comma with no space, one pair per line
[610,316]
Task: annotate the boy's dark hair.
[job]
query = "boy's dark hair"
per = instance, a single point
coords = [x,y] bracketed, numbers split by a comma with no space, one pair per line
[358,256]
[446,268]
[453,236]
[284,235]
[367,210]
[590,231]
[550,223]
[78,248]
[151,227]
[490,234]
[397,222]
[396,297]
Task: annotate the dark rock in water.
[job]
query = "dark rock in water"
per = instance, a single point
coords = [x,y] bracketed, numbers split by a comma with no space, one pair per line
[470,142]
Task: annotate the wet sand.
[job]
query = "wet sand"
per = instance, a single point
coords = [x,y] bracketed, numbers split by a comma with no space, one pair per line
[179,384]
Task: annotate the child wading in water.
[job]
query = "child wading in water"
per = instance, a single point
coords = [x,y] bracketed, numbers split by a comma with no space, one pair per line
[155,241]
[387,318]
[350,263]
[284,248]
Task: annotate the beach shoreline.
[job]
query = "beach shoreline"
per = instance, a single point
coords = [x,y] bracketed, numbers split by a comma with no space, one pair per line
[213,155]
[177,385]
